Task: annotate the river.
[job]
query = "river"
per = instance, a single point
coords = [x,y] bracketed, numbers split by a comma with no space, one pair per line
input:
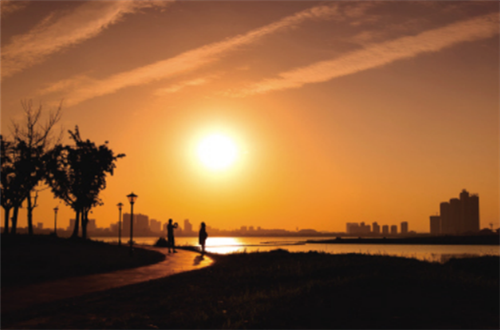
[225,245]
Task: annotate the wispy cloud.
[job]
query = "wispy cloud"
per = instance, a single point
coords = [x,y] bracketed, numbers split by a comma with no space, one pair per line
[196,58]
[183,84]
[53,35]
[380,54]
[8,7]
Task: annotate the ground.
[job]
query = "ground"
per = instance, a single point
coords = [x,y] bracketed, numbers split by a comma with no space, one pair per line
[291,290]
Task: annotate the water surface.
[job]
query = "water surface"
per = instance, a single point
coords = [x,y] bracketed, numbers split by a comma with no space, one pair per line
[225,245]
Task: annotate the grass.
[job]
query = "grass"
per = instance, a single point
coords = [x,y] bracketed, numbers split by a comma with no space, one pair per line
[28,260]
[281,290]
[291,290]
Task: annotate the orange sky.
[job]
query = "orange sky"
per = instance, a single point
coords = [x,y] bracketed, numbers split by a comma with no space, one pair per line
[342,111]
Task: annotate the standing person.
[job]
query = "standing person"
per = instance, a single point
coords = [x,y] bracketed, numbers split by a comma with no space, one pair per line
[170,235]
[202,237]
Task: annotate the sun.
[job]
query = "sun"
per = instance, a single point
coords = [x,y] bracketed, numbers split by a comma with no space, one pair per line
[217,152]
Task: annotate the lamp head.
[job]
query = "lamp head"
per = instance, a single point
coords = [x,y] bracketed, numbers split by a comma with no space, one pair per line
[132,198]
[119,205]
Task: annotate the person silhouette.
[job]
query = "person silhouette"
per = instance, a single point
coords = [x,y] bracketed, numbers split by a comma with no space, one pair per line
[202,237]
[170,235]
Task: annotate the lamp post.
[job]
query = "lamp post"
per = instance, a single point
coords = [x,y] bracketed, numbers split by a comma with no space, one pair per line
[131,198]
[55,220]
[120,224]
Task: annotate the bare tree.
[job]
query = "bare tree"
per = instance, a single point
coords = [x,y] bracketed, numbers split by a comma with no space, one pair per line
[35,138]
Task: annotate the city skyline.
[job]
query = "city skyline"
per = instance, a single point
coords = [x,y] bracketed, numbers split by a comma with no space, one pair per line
[457,216]
[318,113]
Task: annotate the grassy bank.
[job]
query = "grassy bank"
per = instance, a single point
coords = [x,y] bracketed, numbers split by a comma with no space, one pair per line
[292,290]
[28,260]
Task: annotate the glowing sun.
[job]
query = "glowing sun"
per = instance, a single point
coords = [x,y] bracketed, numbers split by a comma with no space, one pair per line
[217,152]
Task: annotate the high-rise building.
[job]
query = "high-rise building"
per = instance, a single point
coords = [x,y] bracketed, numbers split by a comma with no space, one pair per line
[472,219]
[91,225]
[375,228]
[446,227]
[385,229]
[459,216]
[464,210]
[404,227]
[352,227]
[39,225]
[436,223]
[455,221]
[155,226]
[141,224]
[188,227]
[394,230]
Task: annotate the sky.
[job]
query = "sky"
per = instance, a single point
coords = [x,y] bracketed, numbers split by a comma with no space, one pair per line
[340,111]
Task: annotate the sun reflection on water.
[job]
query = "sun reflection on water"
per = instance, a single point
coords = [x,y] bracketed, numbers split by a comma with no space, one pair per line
[224,245]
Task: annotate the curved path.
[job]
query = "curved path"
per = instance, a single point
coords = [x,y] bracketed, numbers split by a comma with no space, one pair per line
[22,297]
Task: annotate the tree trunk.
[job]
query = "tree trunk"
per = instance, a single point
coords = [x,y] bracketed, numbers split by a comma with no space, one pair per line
[30,215]
[14,220]
[85,220]
[77,225]
[6,220]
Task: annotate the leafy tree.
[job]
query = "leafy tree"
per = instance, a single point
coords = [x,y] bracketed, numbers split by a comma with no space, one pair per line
[17,178]
[8,177]
[77,174]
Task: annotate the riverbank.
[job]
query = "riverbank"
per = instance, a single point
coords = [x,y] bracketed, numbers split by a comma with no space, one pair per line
[291,290]
[29,260]
[431,240]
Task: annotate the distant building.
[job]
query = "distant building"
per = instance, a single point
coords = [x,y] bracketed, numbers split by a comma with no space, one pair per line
[385,229]
[455,219]
[140,227]
[91,225]
[250,228]
[352,227]
[446,226]
[243,228]
[375,228]
[404,227]
[472,219]
[394,230]
[39,225]
[460,215]
[435,224]
[141,223]
[71,224]
[155,226]
[188,227]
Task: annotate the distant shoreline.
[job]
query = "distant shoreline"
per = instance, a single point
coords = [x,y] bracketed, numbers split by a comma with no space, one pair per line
[438,240]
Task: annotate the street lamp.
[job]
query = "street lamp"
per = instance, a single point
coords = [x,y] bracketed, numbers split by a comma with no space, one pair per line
[131,198]
[55,220]
[120,223]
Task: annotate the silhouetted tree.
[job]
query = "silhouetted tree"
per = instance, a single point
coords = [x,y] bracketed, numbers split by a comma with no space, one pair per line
[32,139]
[77,174]
[17,178]
[8,176]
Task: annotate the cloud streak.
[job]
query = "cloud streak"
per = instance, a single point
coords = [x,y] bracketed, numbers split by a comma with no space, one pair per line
[8,7]
[195,58]
[380,54]
[183,84]
[53,35]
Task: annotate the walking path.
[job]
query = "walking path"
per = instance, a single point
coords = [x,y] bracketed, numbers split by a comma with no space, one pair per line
[22,297]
